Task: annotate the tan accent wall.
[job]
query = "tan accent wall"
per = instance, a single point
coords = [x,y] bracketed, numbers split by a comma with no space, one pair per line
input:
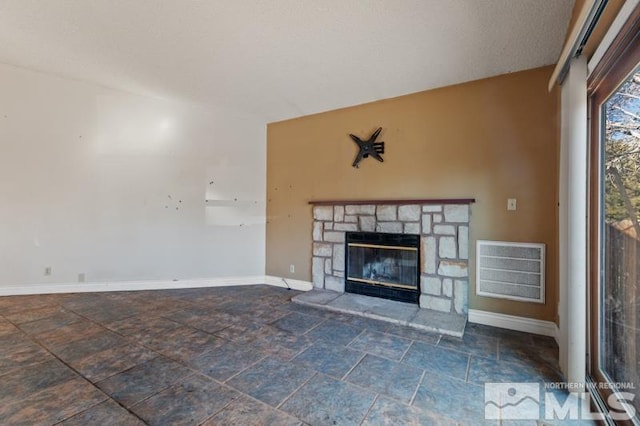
[490,139]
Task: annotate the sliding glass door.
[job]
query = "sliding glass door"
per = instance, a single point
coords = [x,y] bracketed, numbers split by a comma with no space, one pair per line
[615,231]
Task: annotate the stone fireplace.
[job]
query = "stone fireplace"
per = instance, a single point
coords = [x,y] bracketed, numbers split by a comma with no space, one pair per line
[442,227]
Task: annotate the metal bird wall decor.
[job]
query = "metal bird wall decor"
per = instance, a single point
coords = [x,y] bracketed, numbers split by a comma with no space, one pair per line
[368,148]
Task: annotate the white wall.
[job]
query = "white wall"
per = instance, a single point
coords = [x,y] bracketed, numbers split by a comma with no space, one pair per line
[113,185]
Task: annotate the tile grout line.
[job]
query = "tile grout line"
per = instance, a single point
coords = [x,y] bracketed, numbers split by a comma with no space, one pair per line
[370,407]
[193,372]
[78,373]
[296,354]
[439,339]
[225,405]
[466,373]
[182,363]
[278,407]
[379,355]
[355,338]
[406,350]
[226,382]
[169,386]
[246,395]
[413,397]
[314,327]
[343,378]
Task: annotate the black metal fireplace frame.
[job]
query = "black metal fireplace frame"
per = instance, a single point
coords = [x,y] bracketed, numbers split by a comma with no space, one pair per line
[383,291]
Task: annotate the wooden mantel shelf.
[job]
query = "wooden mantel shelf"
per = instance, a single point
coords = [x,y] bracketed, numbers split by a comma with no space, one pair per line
[411,201]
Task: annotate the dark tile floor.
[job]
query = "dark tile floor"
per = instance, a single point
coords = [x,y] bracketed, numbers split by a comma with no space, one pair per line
[243,356]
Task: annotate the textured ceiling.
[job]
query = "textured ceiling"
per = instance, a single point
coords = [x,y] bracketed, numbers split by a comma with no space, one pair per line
[281,58]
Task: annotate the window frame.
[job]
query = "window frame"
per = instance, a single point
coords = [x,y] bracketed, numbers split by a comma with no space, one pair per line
[621,59]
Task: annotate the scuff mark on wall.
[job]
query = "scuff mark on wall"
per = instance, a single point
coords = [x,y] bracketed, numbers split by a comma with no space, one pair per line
[228,202]
[177,205]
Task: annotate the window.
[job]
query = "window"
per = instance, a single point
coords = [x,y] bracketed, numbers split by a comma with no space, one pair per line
[614,220]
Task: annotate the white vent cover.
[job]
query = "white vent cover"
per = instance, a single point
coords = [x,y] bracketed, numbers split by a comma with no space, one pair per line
[510,270]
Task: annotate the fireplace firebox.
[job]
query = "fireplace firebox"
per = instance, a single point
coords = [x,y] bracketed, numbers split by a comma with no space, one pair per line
[383,265]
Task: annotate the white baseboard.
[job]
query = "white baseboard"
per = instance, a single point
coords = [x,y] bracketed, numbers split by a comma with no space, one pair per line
[89,287]
[512,322]
[288,283]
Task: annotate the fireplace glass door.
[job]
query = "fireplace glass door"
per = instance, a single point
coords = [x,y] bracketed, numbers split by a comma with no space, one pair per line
[383,265]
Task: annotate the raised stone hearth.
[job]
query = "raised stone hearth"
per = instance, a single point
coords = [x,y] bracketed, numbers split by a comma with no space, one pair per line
[443,227]
[405,314]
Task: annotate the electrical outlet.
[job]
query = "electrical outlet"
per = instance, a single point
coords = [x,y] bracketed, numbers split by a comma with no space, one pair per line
[511,204]
[47,270]
[81,277]
[292,268]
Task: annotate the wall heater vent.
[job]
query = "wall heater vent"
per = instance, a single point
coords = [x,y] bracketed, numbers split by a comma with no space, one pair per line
[509,270]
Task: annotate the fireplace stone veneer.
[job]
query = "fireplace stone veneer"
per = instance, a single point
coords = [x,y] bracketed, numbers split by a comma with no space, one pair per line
[444,245]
